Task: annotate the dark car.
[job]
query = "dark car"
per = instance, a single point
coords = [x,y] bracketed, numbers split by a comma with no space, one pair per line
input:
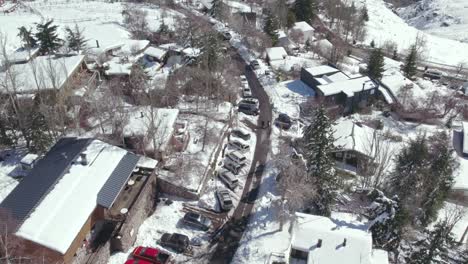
[283,121]
[255,65]
[177,242]
[248,109]
[145,255]
[197,220]
[240,133]
[227,35]
[433,74]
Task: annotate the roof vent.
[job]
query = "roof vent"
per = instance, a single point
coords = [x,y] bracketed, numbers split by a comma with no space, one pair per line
[319,243]
[84,159]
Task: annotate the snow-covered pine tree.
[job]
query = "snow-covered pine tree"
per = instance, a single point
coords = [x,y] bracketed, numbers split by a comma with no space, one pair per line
[75,38]
[27,37]
[410,63]
[318,143]
[305,10]
[210,51]
[434,247]
[376,64]
[271,25]
[439,178]
[364,14]
[47,36]
[386,220]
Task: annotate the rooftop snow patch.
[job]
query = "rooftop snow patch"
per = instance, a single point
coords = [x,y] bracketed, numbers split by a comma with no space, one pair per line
[22,55]
[276,53]
[155,53]
[321,70]
[303,26]
[348,87]
[52,73]
[342,241]
[61,214]
[352,136]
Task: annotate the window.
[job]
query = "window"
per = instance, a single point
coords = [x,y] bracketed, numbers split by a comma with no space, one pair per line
[372,91]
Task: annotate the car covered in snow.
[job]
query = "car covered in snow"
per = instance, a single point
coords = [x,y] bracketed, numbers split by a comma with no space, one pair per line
[143,255]
[244,80]
[228,178]
[177,242]
[237,157]
[225,200]
[246,92]
[239,145]
[240,133]
[197,220]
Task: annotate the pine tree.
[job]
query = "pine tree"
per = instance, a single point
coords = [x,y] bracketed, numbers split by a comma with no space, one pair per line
[376,64]
[439,178]
[291,19]
[271,26]
[163,28]
[47,36]
[372,44]
[434,247]
[410,63]
[304,10]
[386,220]
[75,38]
[27,37]
[318,144]
[216,9]
[210,52]
[364,14]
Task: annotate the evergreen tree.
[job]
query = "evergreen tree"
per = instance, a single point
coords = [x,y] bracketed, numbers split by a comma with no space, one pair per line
[364,14]
[372,44]
[318,144]
[434,247]
[163,28]
[40,138]
[75,38]
[386,220]
[304,10]
[27,37]
[210,51]
[410,63]
[216,9]
[47,36]
[291,19]
[271,26]
[376,64]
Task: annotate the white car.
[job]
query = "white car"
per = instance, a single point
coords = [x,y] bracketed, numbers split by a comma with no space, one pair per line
[225,200]
[244,80]
[239,145]
[237,157]
[228,178]
[246,92]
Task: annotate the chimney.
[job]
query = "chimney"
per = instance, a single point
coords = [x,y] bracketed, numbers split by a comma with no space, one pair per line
[97,43]
[319,243]
[344,242]
[84,160]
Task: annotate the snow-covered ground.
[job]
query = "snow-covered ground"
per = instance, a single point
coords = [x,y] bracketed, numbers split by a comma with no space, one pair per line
[444,18]
[385,25]
[101,21]
[9,169]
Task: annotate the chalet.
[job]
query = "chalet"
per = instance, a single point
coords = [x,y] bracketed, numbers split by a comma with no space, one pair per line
[353,142]
[76,188]
[54,73]
[307,31]
[337,89]
[275,54]
[319,239]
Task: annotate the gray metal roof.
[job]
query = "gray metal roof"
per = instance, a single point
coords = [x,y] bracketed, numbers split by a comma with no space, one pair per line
[117,180]
[42,178]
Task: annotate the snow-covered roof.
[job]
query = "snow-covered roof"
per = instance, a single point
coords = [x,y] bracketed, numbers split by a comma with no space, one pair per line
[171,46]
[334,77]
[321,70]
[115,67]
[276,53]
[388,98]
[164,123]
[348,87]
[303,26]
[61,214]
[192,52]
[333,232]
[155,52]
[114,47]
[352,136]
[22,55]
[324,43]
[52,73]
[465,137]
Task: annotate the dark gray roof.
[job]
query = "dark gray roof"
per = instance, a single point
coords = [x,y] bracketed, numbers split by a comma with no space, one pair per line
[117,180]
[42,178]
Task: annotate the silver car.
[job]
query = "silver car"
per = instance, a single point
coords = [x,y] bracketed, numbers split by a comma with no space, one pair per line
[224,198]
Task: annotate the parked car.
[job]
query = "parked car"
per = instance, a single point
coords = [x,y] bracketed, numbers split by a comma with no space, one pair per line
[244,80]
[237,157]
[252,101]
[178,242]
[246,92]
[240,133]
[229,179]
[232,166]
[137,261]
[224,199]
[433,74]
[197,220]
[239,145]
[150,255]
[283,121]
[248,109]
[255,65]
[227,35]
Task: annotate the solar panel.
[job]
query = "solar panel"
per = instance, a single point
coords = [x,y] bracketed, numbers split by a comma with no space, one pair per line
[117,180]
[42,178]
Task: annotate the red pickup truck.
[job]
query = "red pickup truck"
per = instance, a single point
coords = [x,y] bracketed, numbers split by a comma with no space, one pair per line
[147,255]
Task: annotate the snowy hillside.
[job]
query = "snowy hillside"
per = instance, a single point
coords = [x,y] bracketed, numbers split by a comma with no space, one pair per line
[444,18]
[385,25]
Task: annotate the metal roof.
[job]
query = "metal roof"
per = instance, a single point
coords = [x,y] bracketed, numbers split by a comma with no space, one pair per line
[42,178]
[117,180]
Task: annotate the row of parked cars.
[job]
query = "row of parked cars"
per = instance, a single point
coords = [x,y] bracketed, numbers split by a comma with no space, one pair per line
[248,105]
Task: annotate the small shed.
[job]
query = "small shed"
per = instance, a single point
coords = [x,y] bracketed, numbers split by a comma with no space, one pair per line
[276,54]
[305,29]
[155,54]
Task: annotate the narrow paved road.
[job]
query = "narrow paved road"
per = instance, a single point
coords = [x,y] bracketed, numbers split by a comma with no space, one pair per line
[235,227]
